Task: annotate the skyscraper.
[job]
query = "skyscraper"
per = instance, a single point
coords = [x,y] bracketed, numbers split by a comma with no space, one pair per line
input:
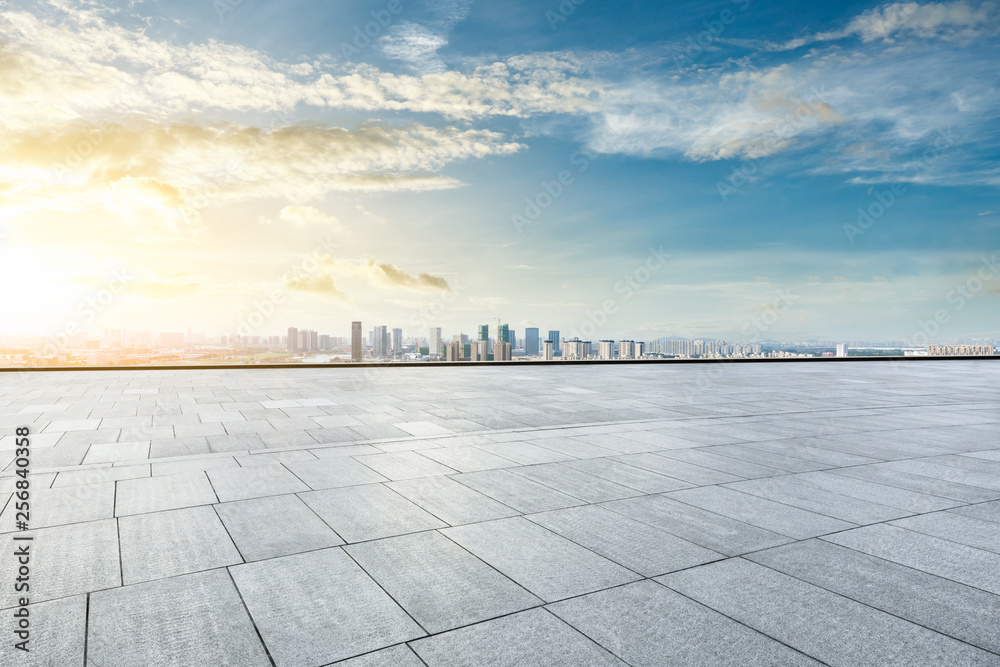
[397,341]
[531,341]
[356,341]
[293,339]
[381,342]
[554,337]
[503,333]
[502,351]
[548,350]
[606,349]
[434,342]
[626,349]
[484,332]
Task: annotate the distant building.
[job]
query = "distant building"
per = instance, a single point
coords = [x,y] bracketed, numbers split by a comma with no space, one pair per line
[531,341]
[554,337]
[841,349]
[960,351]
[484,332]
[293,339]
[606,349]
[502,351]
[548,350]
[357,353]
[453,351]
[397,341]
[626,349]
[573,349]
[380,341]
[434,343]
[503,334]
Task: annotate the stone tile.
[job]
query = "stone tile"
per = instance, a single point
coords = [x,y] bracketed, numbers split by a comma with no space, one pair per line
[708,529]
[766,458]
[195,465]
[333,473]
[803,496]
[276,526]
[874,492]
[637,546]
[459,589]
[369,512]
[957,528]
[166,544]
[524,453]
[117,451]
[686,472]
[550,566]
[467,458]
[516,491]
[576,483]
[63,505]
[66,560]
[985,511]
[403,465]
[155,494]
[450,501]
[397,656]
[505,642]
[639,479]
[253,482]
[821,624]
[954,609]
[57,633]
[422,428]
[967,565]
[574,447]
[319,607]
[709,459]
[649,625]
[796,523]
[165,623]
[920,483]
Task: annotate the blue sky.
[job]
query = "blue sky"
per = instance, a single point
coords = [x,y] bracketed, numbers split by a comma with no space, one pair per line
[226,154]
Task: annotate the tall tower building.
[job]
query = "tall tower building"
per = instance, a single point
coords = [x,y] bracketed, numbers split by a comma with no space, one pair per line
[484,332]
[434,342]
[554,337]
[503,333]
[531,341]
[356,354]
[606,349]
[502,351]
[397,341]
[381,342]
[548,350]
[626,349]
[293,339]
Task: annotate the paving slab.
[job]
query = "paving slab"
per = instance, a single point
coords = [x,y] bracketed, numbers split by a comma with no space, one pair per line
[196,620]
[369,512]
[156,494]
[396,656]
[333,472]
[457,589]
[166,544]
[254,482]
[637,546]
[847,508]
[265,528]
[57,635]
[957,528]
[576,483]
[534,637]
[648,625]
[63,505]
[639,479]
[516,491]
[948,607]
[450,501]
[546,564]
[828,627]
[315,608]
[403,465]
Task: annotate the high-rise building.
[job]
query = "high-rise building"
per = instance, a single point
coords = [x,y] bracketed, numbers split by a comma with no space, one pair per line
[548,350]
[502,351]
[554,337]
[626,349]
[484,332]
[503,333]
[531,341]
[588,349]
[434,343]
[573,349]
[293,339]
[356,352]
[397,341]
[381,342]
[453,351]
[606,349]
[842,349]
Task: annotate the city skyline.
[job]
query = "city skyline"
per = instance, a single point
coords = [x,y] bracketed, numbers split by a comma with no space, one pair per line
[640,168]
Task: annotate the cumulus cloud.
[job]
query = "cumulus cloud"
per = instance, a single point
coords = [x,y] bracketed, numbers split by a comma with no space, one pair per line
[385,275]
[307,215]
[314,284]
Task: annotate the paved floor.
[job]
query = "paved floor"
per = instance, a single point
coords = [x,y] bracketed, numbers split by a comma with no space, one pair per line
[766,514]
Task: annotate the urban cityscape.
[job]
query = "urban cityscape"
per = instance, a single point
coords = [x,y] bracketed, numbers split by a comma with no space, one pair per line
[384,344]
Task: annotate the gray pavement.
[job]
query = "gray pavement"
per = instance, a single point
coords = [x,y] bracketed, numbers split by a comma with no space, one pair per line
[731,514]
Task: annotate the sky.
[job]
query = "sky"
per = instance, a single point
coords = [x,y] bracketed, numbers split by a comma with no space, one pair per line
[737,169]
